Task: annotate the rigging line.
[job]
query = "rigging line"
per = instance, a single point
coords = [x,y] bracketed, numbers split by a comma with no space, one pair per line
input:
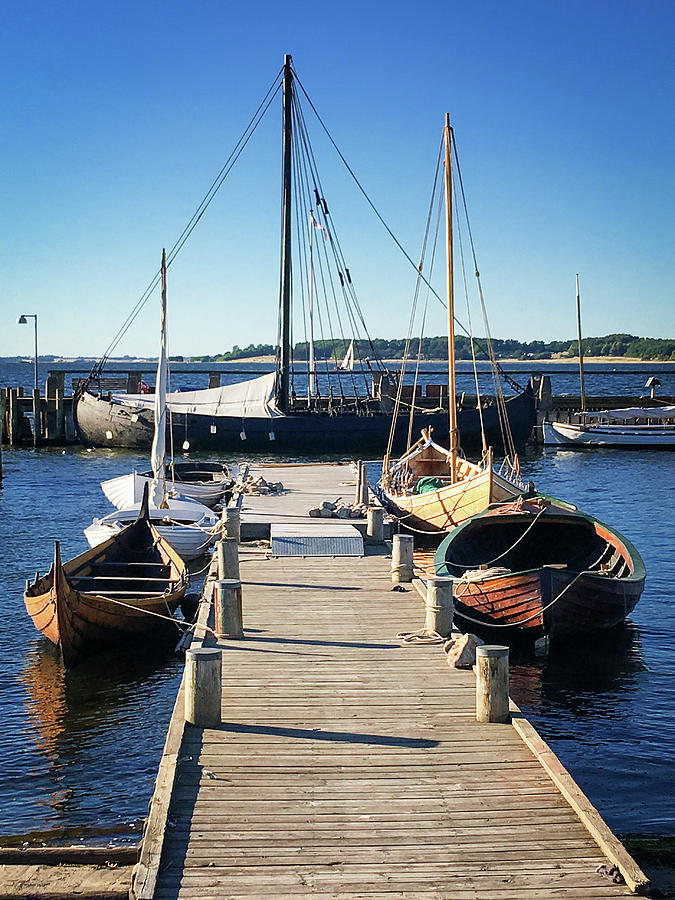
[304,266]
[340,258]
[507,377]
[411,323]
[311,169]
[306,163]
[203,205]
[479,405]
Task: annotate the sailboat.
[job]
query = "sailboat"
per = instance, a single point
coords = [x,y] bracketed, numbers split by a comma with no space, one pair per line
[432,489]
[322,407]
[638,427]
[347,364]
[187,525]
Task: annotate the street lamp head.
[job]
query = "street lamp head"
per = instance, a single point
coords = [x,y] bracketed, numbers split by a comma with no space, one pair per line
[22,320]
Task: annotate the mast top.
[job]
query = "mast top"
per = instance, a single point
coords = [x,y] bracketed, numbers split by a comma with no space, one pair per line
[288,59]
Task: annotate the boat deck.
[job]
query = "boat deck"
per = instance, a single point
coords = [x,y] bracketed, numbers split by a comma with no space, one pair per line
[350,765]
[306,485]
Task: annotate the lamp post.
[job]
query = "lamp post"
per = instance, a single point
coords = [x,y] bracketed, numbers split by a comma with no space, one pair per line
[23,320]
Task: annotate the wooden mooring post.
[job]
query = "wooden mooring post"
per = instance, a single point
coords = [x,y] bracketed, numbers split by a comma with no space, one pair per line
[439,606]
[203,686]
[402,558]
[3,406]
[228,558]
[232,523]
[228,608]
[375,526]
[492,683]
[13,417]
[37,418]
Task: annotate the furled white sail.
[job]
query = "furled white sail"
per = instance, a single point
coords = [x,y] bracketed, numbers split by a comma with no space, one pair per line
[246,399]
[158,452]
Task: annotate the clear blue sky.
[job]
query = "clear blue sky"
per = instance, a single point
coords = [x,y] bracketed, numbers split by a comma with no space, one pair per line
[116,116]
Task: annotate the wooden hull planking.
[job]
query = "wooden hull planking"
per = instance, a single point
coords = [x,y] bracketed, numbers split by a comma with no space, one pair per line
[103,423]
[79,622]
[553,599]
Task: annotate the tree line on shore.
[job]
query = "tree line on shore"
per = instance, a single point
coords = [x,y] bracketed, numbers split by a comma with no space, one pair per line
[436,348]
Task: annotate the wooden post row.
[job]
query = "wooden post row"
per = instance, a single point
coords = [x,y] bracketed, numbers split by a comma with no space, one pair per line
[228,608]
[439,606]
[203,686]
[402,558]
[492,683]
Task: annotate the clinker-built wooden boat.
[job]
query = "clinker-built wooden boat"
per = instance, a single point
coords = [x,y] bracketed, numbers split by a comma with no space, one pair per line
[108,593]
[540,567]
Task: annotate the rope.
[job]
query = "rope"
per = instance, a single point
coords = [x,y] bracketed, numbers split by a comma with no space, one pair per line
[508,549]
[589,571]
[422,636]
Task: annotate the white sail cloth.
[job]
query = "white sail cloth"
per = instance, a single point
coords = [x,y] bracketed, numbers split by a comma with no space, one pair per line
[246,399]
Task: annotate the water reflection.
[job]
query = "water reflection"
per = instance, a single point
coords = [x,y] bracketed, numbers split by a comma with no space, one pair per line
[581,676]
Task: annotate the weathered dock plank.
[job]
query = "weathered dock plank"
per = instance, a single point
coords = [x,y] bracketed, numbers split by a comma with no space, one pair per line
[349,765]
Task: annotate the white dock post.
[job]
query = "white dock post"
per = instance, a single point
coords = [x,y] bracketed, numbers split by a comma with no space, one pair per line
[402,558]
[203,687]
[228,608]
[232,522]
[365,490]
[492,683]
[375,527]
[439,606]
[228,558]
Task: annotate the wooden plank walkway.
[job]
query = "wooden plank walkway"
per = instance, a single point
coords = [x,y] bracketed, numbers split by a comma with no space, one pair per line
[305,485]
[350,766]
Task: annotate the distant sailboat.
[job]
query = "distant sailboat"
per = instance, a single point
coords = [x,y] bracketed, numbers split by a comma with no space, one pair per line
[347,364]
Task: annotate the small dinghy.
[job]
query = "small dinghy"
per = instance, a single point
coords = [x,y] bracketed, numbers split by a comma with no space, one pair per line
[188,526]
[206,482]
[109,593]
[539,567]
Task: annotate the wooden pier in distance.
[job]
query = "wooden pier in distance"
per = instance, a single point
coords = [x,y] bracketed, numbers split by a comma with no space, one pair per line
[350,765]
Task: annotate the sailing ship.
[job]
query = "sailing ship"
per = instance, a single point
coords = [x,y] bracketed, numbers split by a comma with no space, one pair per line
[430,488]
[188,525]
[540,567]
[126,586]
[320,408]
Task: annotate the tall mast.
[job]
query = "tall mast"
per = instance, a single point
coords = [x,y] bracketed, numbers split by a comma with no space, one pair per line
[283,383]
[581,351]
[452,405]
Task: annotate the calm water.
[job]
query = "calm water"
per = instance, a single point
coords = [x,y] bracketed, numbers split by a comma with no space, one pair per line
[79,750]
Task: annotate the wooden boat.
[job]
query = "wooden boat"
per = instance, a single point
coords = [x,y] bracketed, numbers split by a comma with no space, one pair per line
[637,428]
[419,492]
[108,593]
[322,408]
[206,482]
[430,488]
[538,566]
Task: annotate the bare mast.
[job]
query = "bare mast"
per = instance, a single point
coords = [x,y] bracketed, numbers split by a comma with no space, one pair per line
[581,351]
[283,376]
[452,405]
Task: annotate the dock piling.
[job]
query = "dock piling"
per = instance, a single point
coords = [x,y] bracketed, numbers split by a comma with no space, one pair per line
[232,522]
[37,417]
[228,558]
[203,687]
[359,481]
[375,526]
[492,683]
[402,558]
[439,606]
[228,608]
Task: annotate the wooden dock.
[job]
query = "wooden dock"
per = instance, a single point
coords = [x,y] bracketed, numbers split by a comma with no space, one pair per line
[350,765]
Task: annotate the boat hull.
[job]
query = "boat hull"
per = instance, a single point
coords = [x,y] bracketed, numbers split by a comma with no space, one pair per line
[562,572]
[80,622]
[637,437]
[441,510]
[103,422]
